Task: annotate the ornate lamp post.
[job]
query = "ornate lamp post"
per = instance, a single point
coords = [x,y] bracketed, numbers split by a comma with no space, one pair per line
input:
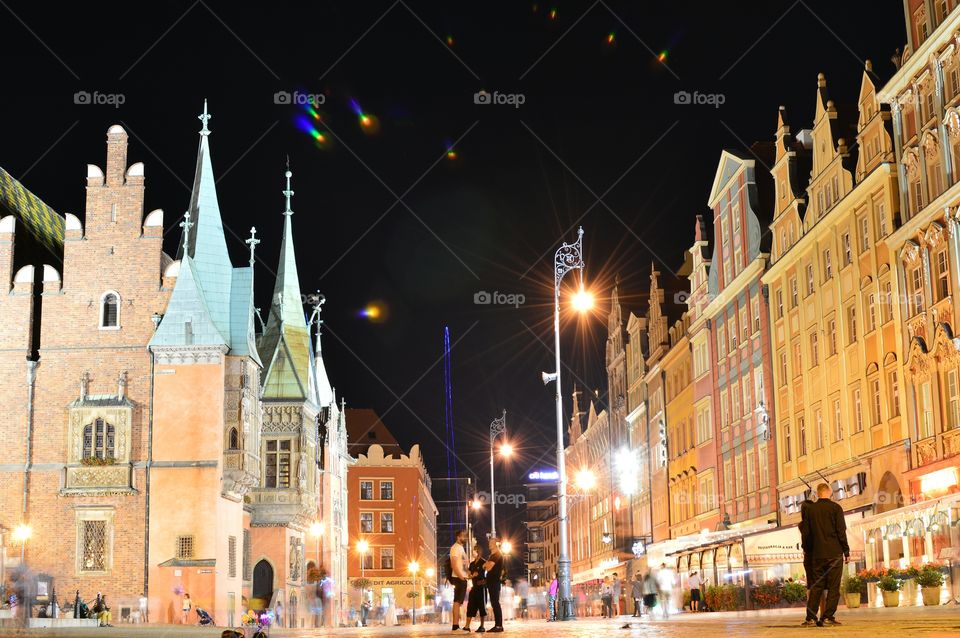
[568,257]
[497,427]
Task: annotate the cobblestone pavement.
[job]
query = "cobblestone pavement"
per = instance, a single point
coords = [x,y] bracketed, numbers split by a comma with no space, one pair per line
[940,622]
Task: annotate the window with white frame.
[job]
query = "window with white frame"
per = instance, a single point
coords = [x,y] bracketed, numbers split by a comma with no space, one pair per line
[762,465]
[735,400]
[832,337]
[916,283]
[751,474]
[811,280]
[386,522]
[827,265]
[894,385]
[864,234]
[724,409]
[704,424]
[779,298]
[110,310]
[871,312]
[837,421]
[386,490]
[801,436]
[818,432]
[847,250]
[953,400]
[755,313]
[794,292]
[876,411]
[942,287]
[744,324]
[857,411]
[797,359]
[925,406]
[881,211]
[886,308]
[366,490]
[721,341]
[814,347]
[852,323]
[728,479]
[783,368]
[787,442]
[738,474]
[386,558]
[366,522]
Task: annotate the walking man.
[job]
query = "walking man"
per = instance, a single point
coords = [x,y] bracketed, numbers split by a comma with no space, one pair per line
[617,590]
[665,585]
[494,569]
[824,531]
[457,575]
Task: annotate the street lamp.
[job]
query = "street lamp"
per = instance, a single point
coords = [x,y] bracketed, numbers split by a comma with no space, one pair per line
[22,533]
[568,257]
[497,427]
[414,567]
[362,547]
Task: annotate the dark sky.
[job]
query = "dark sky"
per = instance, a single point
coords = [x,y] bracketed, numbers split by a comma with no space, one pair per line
[598,120]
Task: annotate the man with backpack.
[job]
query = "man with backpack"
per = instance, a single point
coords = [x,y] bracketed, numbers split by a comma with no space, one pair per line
[457,575]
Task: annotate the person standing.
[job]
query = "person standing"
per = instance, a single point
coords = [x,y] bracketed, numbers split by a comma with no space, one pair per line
[694,583]
[636,592]
[185,606]
[494,569]
[824,531]
[617,590]
[457,575]
[808,551]
[606,598]
[475,602]
[552,599]
[649,593]
[143,608]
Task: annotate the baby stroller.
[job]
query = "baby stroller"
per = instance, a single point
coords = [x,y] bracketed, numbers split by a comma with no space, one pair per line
[205,618]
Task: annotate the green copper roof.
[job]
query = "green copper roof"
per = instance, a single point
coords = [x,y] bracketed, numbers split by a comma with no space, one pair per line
[242,335]
[186,320]
[206,243]
[285,344]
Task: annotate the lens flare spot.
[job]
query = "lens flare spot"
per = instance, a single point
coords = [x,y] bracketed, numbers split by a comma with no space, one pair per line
[611,38]
[451,151]
[449,40]
[553,14]
[662,57]
[375,312]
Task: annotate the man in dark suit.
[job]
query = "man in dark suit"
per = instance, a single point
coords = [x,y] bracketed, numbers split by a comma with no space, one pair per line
[824,531]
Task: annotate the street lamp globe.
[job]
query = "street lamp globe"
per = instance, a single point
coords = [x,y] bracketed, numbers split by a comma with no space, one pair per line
[363,546]
[582,300]
[585,480]
[429,572]
[506,449]
[413,567]
[21,533]
[506,547]
[316,529]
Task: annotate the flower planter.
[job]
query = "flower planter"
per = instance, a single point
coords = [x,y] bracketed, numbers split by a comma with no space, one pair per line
[852,600]
[931,596]
[891,599]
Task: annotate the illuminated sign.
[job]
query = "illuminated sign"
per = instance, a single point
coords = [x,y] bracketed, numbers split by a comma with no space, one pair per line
[544,475]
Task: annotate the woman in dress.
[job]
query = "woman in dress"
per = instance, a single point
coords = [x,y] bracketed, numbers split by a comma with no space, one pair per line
[390,618]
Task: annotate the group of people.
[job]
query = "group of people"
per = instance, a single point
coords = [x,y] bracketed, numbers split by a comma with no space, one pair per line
[484,574]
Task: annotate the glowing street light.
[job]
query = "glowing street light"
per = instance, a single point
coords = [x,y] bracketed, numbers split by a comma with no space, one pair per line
[413,568]
[506,450]
[585,480]
[506,547]
[22,533]
[476,504]
[582,300]
[362,547]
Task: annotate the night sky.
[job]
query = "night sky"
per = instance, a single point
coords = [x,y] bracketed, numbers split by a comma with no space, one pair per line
[598,120]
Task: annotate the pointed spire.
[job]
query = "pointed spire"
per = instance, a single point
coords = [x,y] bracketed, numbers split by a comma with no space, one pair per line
[204,118]
[288,194]
[186,225]
[324,390]
[252,242]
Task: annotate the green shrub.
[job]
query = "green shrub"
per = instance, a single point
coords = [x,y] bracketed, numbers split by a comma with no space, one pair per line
[889,583]
[794,592]
[854,585]
[930,577]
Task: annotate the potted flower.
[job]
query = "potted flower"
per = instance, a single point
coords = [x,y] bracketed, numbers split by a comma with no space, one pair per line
[930,579]
[853,589]
[890,588]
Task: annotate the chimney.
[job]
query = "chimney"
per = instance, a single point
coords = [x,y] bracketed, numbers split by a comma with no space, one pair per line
[116,155]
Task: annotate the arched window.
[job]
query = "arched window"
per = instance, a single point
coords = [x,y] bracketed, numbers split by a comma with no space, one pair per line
[234,439]
[98,440]
[110,310]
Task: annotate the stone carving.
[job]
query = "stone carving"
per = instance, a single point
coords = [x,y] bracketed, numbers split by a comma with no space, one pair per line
[934,235]
[951,443]
[953,123]
[926,451]
[95,477]
[930,144]
[910,253]
[189,355]
[911,160]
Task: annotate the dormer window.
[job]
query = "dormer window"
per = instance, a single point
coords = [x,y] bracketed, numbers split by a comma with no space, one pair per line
[110,311]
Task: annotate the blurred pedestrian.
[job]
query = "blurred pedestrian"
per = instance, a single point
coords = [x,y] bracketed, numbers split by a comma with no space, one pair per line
[552,599]
[636,592]
[494,569]
[185,606]
[666,581]
[606,597]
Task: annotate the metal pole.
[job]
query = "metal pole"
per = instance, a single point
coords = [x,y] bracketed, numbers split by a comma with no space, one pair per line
[568,257]
[493,494]
[417,599]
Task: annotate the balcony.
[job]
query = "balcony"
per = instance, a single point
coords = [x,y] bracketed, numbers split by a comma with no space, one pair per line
[98,478]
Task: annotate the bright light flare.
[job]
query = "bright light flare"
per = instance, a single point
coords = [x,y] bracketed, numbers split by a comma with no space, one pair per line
[316,529]
[429,572]
[506,450]
[662,56]
[476,504]
[375,311]
[506,547]
[611,38]
[368,123]
[585,480]
[363,546]
[413,567]
[627,466]
[21,533]
[582,300]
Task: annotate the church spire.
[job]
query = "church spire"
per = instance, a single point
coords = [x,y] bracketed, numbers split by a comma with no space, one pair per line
[287,304]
